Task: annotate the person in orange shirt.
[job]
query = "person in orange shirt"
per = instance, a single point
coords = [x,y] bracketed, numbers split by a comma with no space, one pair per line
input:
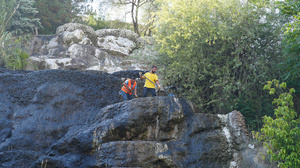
[151,80]
[129,86]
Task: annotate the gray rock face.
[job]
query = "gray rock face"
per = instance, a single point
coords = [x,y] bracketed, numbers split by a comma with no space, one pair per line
[117,41]
[56,118]
[80,47]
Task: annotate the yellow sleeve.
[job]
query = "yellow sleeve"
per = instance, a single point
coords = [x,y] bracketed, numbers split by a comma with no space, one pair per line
[156,78]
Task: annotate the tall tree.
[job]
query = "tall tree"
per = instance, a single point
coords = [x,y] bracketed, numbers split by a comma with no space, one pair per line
[7,7]
[219,53]
[24,20]
[135,10]
[11,54]
[291,65]
[148,18]
[5,36]
[57,12]
[281,133]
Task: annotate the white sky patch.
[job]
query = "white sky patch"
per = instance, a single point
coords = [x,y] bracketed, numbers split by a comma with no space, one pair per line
[109,12]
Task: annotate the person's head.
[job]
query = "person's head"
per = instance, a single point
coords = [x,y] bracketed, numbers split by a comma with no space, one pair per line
[132,80]
[153,69]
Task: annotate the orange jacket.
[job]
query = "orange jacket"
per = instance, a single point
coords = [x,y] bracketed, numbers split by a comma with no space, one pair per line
[124,88]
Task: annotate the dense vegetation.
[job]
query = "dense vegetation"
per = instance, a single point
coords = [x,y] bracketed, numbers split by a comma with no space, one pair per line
[281,134]
[23,15]
[219,54]
[11,54]
[56,12]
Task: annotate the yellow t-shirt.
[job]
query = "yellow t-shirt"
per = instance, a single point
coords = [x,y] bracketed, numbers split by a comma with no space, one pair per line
[152,77]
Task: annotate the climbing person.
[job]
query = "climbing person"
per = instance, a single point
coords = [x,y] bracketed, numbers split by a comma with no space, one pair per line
[151,79]
[129,86]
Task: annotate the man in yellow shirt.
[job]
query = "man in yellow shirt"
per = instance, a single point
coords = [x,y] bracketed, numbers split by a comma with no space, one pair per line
[151,79]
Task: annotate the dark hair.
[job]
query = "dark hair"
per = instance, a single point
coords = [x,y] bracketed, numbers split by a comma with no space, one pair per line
[132,78]
[154,66]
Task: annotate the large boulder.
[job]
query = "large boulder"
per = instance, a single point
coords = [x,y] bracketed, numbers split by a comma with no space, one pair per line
[58,118]
[80,47]
[117,41]
[118,33]
[76,33]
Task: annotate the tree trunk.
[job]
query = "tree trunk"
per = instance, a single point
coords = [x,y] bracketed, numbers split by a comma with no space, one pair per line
[134,16]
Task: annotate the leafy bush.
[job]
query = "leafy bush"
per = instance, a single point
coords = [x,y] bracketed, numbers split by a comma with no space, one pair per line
[253,109]
[96,22]
[282,134]
[118,24]
[219,53]
[100,23]
[290,66]
[12,55]
[17,61]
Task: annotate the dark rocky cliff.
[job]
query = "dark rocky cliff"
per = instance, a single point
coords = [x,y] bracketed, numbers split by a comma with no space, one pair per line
[59,118]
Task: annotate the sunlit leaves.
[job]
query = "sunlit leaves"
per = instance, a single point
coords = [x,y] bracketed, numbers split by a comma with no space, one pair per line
[282,134]
[215,50]
[289,7]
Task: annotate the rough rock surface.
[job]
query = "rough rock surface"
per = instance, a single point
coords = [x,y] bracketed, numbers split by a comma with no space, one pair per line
[58,118]
[80,47]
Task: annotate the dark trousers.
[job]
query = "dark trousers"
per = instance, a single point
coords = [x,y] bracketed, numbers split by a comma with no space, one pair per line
[125,96]
[151,90]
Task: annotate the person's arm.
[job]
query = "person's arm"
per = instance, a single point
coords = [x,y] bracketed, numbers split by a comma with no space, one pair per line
[158,84]
[126,85]
[141,75]
[135,92]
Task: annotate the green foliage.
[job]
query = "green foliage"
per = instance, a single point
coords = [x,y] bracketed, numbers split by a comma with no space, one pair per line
[24,20]
[282,134]
[117,24]
[254,109]
[146,6]
[148,18]
[219,53]
[23,15]
[289,7]
[17,61]
[55,13]
[7,8]
[146,53]
[100,23]
[96,22]
[291,65]
[11,54]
